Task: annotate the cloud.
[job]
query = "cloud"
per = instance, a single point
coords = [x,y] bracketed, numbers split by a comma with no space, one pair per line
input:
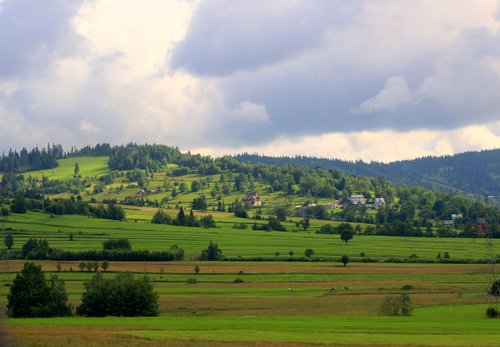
[88,128]
[252,113]
[395,93]
[32,33]
[383,145]
[264,74]
[226,36]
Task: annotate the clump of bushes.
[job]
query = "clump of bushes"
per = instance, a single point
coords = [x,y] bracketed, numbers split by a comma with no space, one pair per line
[122,295]
[396,305]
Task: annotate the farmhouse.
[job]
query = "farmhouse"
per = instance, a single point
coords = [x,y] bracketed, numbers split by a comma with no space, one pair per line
[455,216]
[253,199]
[379,202]
[357,199]
[448,223]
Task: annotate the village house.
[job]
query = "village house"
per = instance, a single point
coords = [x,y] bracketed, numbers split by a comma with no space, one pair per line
[252,199]
[455,216]
[358,199]
[379,202]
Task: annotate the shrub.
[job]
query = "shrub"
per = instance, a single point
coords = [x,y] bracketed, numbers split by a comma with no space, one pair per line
[309,252]
[117,244]
[491,312]
[122,295]
[345,260]
[192,280]
[407,287]
[238,280]
[396,305]
[326,229]
[495,288]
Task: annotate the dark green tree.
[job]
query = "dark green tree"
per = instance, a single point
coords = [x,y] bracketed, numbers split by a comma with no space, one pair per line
[495,288]
[9,241]
[346,232]
[212,252]
[19,205]
[31,296]
[345,260]
[309,252]
[181,217]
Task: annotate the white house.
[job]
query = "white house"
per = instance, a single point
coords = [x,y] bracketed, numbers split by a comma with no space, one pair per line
[358,199]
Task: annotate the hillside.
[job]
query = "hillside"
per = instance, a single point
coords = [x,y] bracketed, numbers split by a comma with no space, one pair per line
[159,176]
[476,173]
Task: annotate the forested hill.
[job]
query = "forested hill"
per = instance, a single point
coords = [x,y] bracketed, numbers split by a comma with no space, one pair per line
[471,172]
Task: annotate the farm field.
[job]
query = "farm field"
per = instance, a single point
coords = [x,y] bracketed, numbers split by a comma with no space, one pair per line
[89,167]
[89,233]
[278,304]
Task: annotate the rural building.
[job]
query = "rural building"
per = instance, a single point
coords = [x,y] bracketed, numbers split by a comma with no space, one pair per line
[253,199]
[357,199]
[448,223]
[379,202]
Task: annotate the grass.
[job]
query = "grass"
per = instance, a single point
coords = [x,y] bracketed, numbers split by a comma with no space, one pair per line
[89,167]
[89,233]
[329,306]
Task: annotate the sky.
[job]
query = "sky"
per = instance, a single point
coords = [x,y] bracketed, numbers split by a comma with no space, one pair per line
[377,80]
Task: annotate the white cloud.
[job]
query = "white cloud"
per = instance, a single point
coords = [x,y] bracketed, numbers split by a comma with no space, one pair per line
[395,93]
[383,145]
[88,128]
[119,71]
[252,112]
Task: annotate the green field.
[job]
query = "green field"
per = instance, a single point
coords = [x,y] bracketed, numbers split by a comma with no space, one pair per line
[329,305]
[89,233]
[89,167]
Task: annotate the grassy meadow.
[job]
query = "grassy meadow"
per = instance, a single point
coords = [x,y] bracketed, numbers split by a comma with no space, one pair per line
[89,167]
[329,305]
[268,303]
[90,233]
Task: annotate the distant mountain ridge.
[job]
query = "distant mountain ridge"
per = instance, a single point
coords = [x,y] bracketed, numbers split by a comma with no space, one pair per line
[476,173]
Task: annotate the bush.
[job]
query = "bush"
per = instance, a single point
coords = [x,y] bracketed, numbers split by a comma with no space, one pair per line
[345,260]
[275,224]
[192,280]
[396,305]
[407,287]
[309,252]
[32,296]
[19,205]
[326,229]
[122,295]
[495,288]
[238,280]
[491,312]
[117,244]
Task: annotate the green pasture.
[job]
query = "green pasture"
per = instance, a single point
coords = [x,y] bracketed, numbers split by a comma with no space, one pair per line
[89,167]
[449,325]
[329,304]
[89,233]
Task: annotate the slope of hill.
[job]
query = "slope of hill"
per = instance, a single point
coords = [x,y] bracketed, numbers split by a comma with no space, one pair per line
[475,173]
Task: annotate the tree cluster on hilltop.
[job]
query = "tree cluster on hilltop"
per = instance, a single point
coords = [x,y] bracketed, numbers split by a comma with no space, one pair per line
[473,172]
[35,159]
